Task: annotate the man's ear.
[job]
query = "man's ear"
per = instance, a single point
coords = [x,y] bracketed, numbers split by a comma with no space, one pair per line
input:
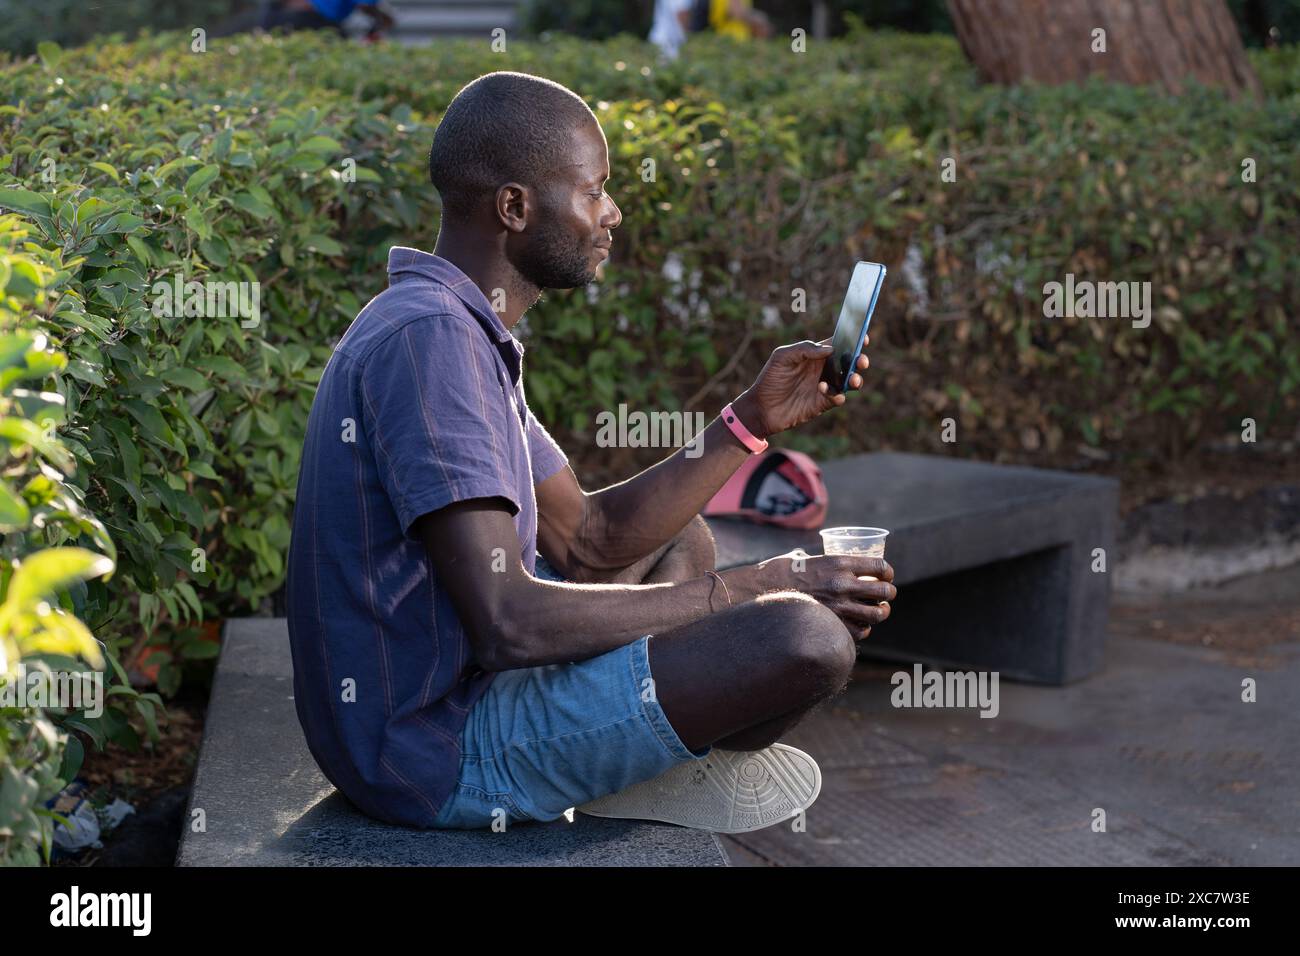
[514,204]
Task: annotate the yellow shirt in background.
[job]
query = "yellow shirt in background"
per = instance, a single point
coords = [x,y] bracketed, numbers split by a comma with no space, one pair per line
[722,22]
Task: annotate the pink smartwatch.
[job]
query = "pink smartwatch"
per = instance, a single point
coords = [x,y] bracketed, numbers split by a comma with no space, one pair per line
[756,445]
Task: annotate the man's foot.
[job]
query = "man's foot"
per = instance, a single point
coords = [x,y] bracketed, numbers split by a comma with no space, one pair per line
[729,791]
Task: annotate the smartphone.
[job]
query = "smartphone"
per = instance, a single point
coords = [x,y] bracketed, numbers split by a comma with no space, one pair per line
[851,327]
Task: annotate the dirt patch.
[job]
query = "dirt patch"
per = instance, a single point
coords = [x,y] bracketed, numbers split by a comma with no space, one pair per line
[154,779]
[1244,615]
[137,777]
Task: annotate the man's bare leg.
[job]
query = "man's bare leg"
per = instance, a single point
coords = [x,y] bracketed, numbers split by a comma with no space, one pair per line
[741,678]
[686,556]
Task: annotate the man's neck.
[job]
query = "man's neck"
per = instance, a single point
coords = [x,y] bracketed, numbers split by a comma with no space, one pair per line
[508,293]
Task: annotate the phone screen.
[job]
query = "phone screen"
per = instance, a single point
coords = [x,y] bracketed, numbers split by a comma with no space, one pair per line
[851,327]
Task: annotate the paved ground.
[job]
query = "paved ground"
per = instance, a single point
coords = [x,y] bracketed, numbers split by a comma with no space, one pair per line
[1186,772]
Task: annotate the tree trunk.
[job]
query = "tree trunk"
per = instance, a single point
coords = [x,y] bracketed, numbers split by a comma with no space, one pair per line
[1162,42]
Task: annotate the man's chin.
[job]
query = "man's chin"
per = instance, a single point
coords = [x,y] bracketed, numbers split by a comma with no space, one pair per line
[579,283]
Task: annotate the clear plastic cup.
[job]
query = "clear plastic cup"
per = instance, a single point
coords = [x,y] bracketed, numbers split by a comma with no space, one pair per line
[868,541]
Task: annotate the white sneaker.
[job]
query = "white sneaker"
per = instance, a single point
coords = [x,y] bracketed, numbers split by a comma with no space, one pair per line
[729,791]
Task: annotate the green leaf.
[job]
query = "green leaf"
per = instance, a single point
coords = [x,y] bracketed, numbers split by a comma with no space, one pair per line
[306,162]
[240,428]
[22,432]
[106,168]
[146,710]
[186,378]
[224,367]
[14,513]
[92,727]
[50,53]
[139,248]
[267,422]
[321,144]
[150,419]
[74,754]
[83,371]
[13,349]
[45,572]
[251,204]
[92,209]
[121,222]
[26,201]
[169,679]
[195,219]
[200,650]
[201,178]
[324,245]
[215,251]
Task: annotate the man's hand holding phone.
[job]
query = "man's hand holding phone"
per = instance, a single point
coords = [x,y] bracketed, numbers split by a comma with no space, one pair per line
[802,380]
[791,389]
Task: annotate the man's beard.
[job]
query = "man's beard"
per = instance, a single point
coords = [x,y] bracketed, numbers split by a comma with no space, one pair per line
[553,259]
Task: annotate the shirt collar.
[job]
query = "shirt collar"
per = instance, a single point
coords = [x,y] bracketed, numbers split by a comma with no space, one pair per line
[405,262]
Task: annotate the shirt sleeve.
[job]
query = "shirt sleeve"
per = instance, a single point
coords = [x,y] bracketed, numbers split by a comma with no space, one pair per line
[437,418]
[547,455]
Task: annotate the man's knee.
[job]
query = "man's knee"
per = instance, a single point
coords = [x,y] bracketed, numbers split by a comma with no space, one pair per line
[695,543]
[810,641]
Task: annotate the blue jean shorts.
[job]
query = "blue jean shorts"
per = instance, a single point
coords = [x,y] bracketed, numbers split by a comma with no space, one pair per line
[544,739]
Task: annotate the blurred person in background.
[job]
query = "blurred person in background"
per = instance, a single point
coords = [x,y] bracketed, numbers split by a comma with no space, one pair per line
[739,19]
[672,20]
[295,15]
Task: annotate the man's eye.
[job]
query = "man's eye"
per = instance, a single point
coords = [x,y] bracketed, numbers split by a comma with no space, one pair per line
[599,195]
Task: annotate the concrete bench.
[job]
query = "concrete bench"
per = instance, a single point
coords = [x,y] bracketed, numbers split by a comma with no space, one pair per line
[994,563]
[265,802]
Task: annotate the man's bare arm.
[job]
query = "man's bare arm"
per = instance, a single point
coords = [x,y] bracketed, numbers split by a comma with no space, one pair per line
[588,535]
[513,619]
[585,542]
[516,620]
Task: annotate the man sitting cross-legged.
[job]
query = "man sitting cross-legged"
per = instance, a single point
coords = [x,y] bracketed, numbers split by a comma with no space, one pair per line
[440,678]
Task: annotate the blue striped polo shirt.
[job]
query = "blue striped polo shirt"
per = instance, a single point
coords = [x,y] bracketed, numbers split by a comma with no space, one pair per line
[420,405]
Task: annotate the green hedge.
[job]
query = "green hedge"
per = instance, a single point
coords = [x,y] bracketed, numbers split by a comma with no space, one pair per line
[24,23]
[44,570]
[774,173]
[193,427]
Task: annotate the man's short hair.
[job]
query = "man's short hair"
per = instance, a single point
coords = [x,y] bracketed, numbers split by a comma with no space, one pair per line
[502,127]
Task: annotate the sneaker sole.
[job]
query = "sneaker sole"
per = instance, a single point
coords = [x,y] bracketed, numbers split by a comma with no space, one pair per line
[729,791]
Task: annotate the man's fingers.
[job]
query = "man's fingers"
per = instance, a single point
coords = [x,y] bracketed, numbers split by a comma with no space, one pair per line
[862,615]
[873,591]
[861,564]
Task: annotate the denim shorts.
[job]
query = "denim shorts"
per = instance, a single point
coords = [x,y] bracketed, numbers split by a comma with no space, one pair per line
[544,739]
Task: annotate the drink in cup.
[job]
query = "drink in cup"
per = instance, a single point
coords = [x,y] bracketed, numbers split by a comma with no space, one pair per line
[868,541]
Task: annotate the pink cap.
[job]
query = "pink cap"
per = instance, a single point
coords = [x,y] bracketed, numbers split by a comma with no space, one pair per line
[777,487]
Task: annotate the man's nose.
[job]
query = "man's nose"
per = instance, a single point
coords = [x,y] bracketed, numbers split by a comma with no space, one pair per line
[618,216]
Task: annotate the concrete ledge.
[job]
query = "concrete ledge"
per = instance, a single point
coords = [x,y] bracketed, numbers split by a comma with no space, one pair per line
[266,803]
